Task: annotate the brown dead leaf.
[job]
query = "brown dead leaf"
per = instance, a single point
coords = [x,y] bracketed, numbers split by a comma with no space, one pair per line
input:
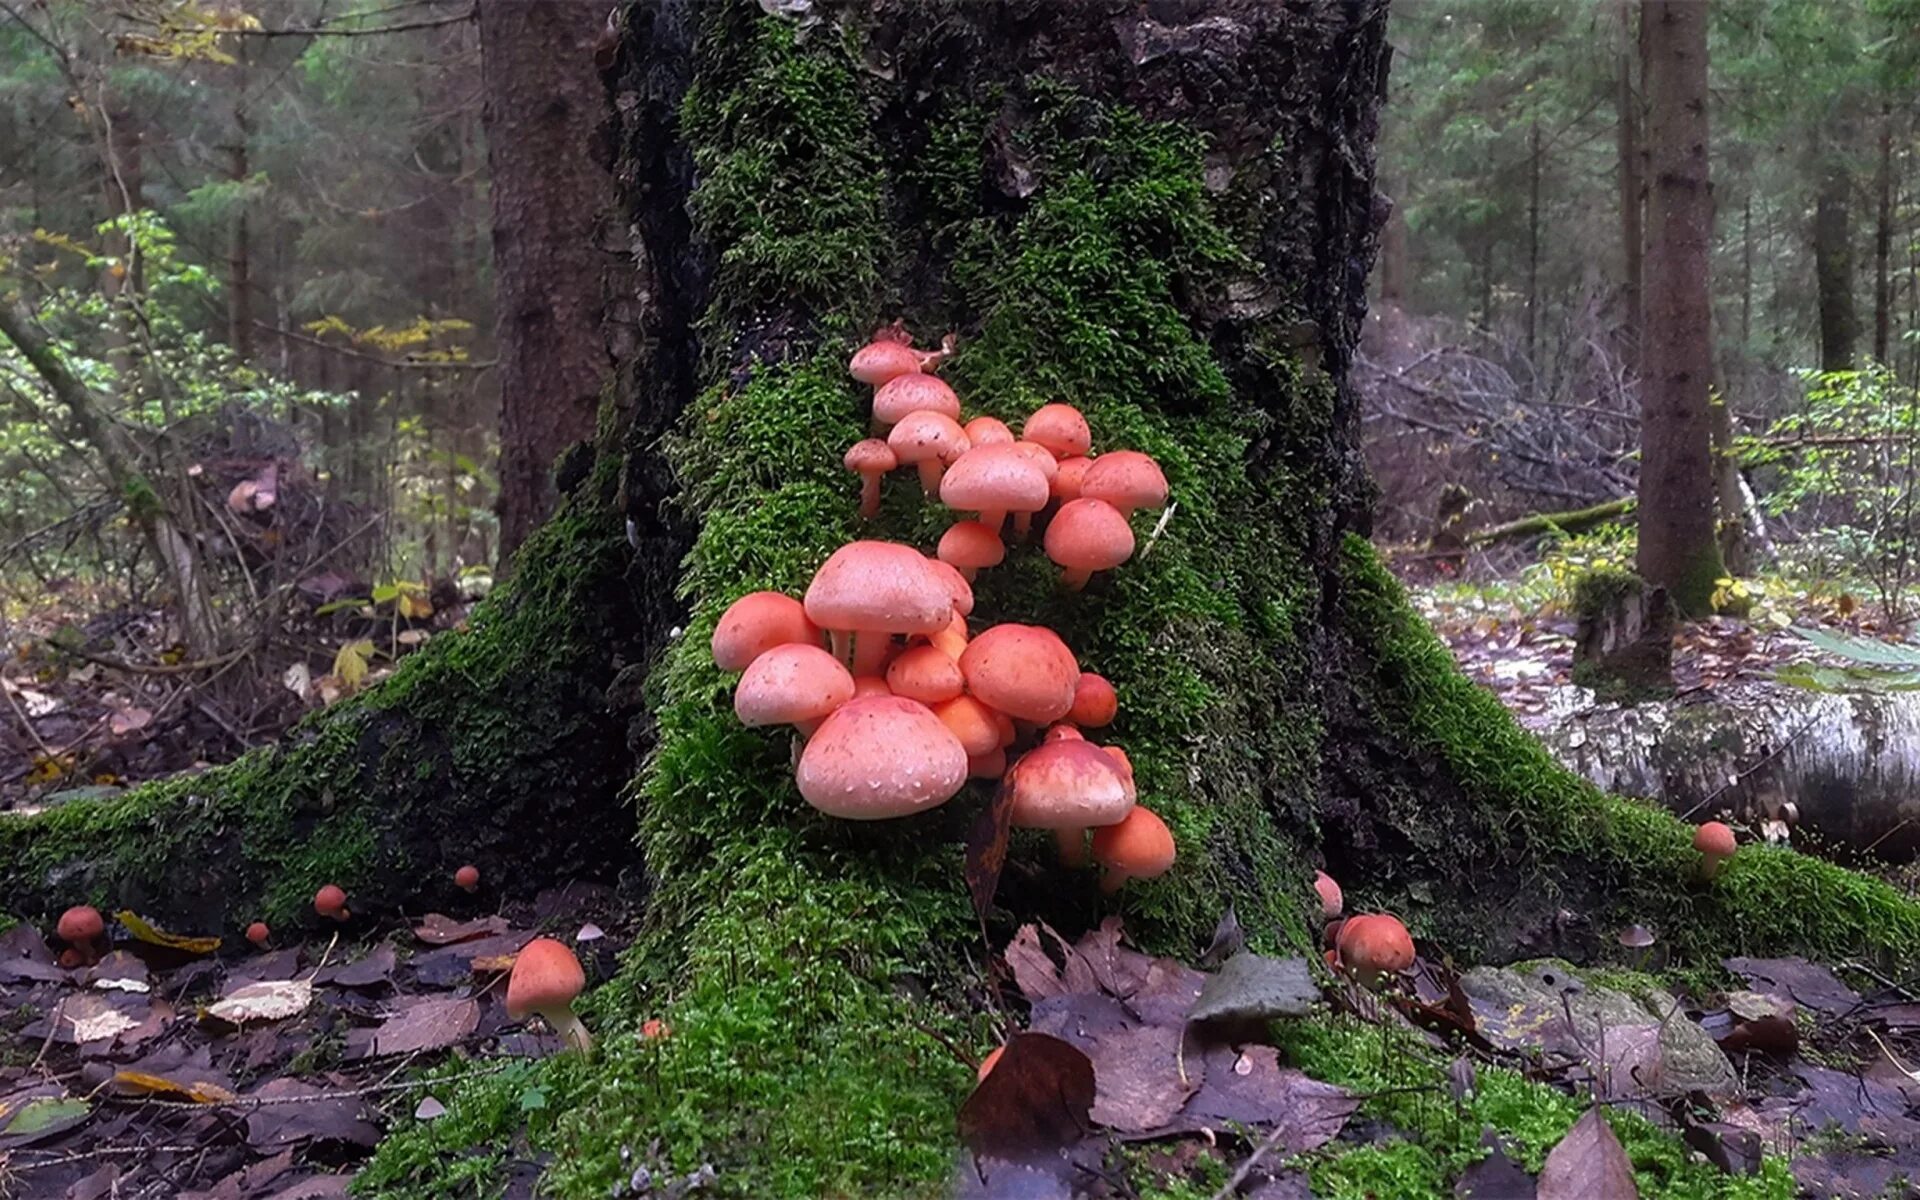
[303,1113]
[1036,974]
[1138,1081]
[84,1017]
[1035,1103]
[1588,1164]
[438,929]
[1119,970]
[1248,1086]
[428,1023]
[987,849]
[375,970]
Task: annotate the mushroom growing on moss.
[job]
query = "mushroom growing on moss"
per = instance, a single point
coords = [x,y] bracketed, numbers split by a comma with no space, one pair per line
[84,931]
[467,878]
[972,722]
[545,980]
[1139,846]
[870,460]
[1068,478]
[1331,900]
[1060,428]
[929,441]
[994,481]
[1085,536]
[889,355]
[755,624]
[792,685]
[1373,946]
[926,674]
[1126,479]
[881,757]
[1095,703]
[867,591]
[988,431]
[1715,842]
[969,546]
[331,902]
[258,933]
[904,395]
[1025,671]
[1068,787]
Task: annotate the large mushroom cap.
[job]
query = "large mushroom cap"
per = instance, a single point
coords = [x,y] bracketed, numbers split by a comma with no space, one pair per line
[755,624]
[1139,846]
[904,394]
[987,431]
[879,587]
[1095,703]
[1375,944]
[1025,671]
[545,976]
[994,478]
[1089,535]
[1060,428]
[957,586]
[1067,785]
[1126,479]
[81,923]
[881,757]
[971,546]
[883,360]
[791,685]
[1715,840]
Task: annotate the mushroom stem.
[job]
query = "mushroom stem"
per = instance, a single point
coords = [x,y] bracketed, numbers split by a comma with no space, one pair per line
[993,518]
[1113,880]
[1074,580]
[569,1028]
[807,728]
[1710,866]
[870,652]
[869,495]
[1073,846]
[1022,524]
[841,643]
[930,472]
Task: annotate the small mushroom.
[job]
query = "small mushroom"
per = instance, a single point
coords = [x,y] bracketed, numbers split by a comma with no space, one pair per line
[889,355]
[1060,428]
[1062,731]
[1042,458]
[1126,479]
[993,481]
[258,933]
[1067,787]
[870,460]
[881,757]
[867,591]
[755,624]
[988,431]
[870,685]
[84,931]
[952,641]
[926,674]
[1331,901]
[545,980]
[331,902]
[972,723]
[1068,478]
[1095,703]
[467,878]
[792,685]
[903,395]
[930,441]
[1025,671]
[1374,946]
[969,547]
[1716,845]
[1085,536]
[1139,846]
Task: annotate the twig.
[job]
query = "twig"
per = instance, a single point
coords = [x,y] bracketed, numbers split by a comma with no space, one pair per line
[186,668]
[1239,1177]
[249,1103]
[25,723]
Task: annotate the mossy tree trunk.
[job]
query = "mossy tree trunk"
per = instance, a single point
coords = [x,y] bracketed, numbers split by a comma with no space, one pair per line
[1164,214]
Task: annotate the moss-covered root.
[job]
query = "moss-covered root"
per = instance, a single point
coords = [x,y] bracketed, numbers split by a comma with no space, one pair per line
[493,746]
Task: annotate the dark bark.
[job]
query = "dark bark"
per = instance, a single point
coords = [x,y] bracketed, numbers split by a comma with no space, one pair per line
[239,243]
[549,187]
[1628,170]
[1833,267]
[1677,549]
[1534,167]
[1883,243]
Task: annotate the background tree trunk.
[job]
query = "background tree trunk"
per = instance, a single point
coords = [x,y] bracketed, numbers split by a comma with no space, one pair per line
[1632,186]
[1678,550]
[1883,242]
[549,187]
[1833,267]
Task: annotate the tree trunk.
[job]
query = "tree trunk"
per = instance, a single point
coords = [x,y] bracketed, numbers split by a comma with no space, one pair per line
[1833,267]
[1678,550]
[549,187]
[1632,187]
[1883,243]
[239,245]
[1533,236]
[1165,213]
[1395,251]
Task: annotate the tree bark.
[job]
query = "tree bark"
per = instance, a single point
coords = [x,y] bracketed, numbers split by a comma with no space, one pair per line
[1678,549]
[549,187]
[1883,243]
[1833,267]
[1395,251]
[1632,196]
[1533,236]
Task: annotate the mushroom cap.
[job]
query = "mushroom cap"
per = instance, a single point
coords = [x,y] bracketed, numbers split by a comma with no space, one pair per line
[1025,671]
[1715,840]
[258,933]
[791,684]
[971,545]
[994,479]
[991,765]
[881,757]
[546,975]
[755,624]
[1060,428]
[925,674]
[988,431]
[957,587]
[467,877]
[879,587]
[81,923]
[1042,458]
[1069,478]
[1095,703]
[973,723]
[912,393]
[1089,535]
[1123,764]
[1067,785]
[1331,900]
[988,1063]
[1063,731]
[924,434]
[870,685]
[883,359]
[1375,943]
[1635,937]
[330,899]
[871,455]
[1139,844]
[1126,479]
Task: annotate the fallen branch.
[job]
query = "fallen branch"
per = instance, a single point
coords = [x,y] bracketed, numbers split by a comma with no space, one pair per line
[1569,521]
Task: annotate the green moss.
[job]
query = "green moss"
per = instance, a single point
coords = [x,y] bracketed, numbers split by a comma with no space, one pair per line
[1597,588]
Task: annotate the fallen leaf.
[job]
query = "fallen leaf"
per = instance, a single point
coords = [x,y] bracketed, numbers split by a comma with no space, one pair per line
[139,1083]
[298,680]
[987,849]
[1495,1177]
[1228,940]
[1249,1087]
[1252,987]
[1037,1101]
[438,929]
[1734,1150]
[1035,973]
[305,1113]
[249,1182]
[350,663]
[375,970]
[268,1000]
[1807,984]
[119,972]
[1588,1164]
[43,1117]
[90,1018]
[146,931]
[1118,970]
[129,720]
[1138,1082]
[493,964]
[24,957]
[432,1023]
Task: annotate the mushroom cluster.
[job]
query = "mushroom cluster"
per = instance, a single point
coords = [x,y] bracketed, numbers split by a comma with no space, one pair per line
[982,468]
[895,701]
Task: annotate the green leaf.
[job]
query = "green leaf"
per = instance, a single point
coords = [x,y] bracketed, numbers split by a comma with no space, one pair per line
[1862,649]
[45,1116]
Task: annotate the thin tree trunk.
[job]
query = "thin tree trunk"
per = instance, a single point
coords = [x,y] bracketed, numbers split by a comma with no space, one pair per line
[1533,237]
[1394,250]
[1883,243]
[1627,169]
[239,243]
[1746,270]
[1678,548]
[1833,267]
[549,189]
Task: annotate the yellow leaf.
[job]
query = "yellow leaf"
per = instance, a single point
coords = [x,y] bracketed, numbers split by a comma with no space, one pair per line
[415,607]
[49,767]
[146,931]
[139,1083]
[350,663]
